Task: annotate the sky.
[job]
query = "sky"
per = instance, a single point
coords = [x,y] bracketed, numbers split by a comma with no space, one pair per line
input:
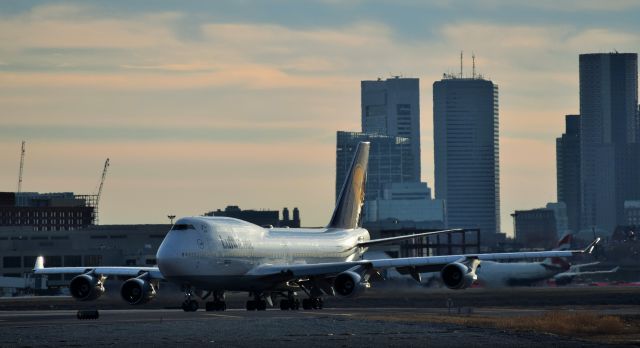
[204,104]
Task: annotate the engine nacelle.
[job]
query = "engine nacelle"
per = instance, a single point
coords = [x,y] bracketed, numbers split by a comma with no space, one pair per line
[349,284]
[137,291]
[457,276]
[86,287]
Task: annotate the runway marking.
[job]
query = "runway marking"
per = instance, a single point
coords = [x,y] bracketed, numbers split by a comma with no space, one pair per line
[223,316]
[325,313]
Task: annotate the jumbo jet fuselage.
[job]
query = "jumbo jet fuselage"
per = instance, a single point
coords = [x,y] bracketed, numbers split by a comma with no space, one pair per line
[220,252]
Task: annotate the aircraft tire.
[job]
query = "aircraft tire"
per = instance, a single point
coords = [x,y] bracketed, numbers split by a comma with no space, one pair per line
[306,304]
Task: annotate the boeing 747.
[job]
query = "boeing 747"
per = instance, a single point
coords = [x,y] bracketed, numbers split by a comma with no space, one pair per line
[208,256]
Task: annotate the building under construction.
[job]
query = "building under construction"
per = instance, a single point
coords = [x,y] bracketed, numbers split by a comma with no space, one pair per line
[61,211]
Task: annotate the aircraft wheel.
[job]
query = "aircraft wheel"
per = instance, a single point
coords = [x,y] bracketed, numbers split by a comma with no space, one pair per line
[262,305]
[294,305]
[251,305]
[285,305]
[306,304]
[192,306]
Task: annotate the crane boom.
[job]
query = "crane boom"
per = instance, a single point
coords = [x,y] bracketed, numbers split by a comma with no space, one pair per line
[21,167]
[104,175]
[95,208]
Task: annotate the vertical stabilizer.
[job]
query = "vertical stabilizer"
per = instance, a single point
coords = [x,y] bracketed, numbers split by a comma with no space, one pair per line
[563,244]
[351,199]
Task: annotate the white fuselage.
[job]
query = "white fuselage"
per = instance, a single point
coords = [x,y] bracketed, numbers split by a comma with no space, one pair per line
[219,253]
[498,274]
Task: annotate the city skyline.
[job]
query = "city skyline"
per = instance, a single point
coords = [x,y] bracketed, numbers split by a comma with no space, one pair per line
[204,105]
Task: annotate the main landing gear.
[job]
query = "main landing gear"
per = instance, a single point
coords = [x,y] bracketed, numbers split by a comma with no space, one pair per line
[257,305]
[290,303]
[218,303]
[189,305]
[312,303]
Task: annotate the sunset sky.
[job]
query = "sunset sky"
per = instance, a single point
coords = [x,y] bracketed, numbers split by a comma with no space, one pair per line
[202,104]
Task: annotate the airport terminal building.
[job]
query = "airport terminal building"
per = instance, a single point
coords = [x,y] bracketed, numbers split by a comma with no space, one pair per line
[114,245]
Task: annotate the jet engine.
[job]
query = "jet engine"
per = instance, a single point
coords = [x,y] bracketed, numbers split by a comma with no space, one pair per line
[86,287]
[457,276]
[137,291]
[349,284]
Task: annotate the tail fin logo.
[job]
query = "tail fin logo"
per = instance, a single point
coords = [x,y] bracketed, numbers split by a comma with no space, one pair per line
[348,210]
[358,182]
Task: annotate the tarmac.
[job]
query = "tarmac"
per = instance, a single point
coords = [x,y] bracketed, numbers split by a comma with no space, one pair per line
[381,318]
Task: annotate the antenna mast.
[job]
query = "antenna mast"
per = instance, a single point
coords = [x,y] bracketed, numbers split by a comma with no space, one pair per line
[21,167]
[460,64]
[473,60]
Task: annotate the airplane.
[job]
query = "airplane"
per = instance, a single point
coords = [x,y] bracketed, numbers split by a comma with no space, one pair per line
[575,271]
[208,256]
[498,274]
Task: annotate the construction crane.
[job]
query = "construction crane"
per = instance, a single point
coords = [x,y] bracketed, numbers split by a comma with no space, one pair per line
[104,175]
[21,167]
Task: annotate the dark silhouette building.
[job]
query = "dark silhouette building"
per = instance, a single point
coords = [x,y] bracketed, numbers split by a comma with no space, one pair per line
[45,211]
[390,160]
[260,217]
[466,148]
[535,228]
[392,107]
[568,170]
[609,137]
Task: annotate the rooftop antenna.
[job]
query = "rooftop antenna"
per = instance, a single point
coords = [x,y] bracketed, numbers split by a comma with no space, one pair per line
[21,167]
[460,64]
[473,60]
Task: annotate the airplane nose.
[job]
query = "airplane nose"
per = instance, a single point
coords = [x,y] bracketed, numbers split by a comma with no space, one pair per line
[167,256]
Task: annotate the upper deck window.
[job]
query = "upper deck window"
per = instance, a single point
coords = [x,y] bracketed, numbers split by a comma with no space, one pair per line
[182,227]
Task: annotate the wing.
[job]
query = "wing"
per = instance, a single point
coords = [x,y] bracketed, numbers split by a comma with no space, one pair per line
[580,273]
[154,272]
[405,265]
[390,240]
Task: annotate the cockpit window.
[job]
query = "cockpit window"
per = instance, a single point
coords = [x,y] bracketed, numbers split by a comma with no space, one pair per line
[182,227]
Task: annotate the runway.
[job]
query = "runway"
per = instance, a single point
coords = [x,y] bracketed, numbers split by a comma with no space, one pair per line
[239,328]
[402,321]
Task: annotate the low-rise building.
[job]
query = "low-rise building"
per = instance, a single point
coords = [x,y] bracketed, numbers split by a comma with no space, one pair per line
[113,245]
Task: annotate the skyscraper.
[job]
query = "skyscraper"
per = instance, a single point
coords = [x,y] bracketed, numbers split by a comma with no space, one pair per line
[392,107]
[609,137]
[390,160]
[467,176]
[568,170]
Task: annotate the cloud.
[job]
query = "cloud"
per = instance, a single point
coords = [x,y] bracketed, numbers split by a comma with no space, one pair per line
[97,73]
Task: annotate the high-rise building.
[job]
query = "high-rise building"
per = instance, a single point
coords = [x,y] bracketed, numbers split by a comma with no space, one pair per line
[609,137]
[392,107]
[389,160]
[467,177]
[568,170]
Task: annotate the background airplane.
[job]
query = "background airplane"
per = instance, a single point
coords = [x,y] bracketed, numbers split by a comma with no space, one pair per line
[208,256]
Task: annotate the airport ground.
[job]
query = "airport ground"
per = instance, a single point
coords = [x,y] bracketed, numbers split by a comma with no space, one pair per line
[523,317]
